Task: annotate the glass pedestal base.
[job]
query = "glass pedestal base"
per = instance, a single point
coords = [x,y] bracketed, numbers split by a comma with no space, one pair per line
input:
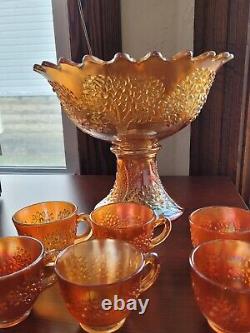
[137,178]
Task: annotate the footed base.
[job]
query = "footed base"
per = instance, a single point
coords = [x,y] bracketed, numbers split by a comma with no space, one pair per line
[137,178]
[161,204]
[14,322]
[104,329]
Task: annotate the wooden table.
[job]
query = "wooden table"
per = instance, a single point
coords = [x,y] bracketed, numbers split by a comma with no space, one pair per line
[171,307]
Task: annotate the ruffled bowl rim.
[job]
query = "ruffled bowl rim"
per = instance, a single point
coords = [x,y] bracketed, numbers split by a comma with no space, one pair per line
[211,56]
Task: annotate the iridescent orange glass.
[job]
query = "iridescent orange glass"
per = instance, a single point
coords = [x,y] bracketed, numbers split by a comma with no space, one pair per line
[219,222]
[93,271]
[54,223]
[22,278]
[134,104]
[221,283]
[131,222]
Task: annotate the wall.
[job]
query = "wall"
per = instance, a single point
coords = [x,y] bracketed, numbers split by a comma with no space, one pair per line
[166,26]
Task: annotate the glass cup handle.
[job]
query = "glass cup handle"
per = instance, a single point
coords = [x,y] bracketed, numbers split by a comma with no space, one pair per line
[84,218]
[152,260]
[165,232]
[50,257]
[49,275]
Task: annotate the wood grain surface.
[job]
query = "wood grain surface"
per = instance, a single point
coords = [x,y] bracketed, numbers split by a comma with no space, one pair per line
[172,307]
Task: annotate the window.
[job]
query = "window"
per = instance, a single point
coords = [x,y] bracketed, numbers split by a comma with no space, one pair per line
[31,131]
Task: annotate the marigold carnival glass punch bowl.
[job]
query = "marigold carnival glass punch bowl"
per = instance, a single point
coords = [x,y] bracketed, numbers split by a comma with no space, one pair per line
[134,104]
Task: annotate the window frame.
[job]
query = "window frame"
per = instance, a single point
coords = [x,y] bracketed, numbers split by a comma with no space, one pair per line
[62,43]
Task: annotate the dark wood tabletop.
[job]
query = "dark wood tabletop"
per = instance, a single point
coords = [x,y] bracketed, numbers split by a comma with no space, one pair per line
[172,307]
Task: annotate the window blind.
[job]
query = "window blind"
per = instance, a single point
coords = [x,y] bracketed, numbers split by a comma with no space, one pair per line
[26,37]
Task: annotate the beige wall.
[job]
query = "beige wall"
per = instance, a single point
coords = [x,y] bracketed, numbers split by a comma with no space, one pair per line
[166,26]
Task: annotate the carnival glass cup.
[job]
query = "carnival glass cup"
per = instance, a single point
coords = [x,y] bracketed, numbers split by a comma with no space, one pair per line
[219,222]
[22,277]
[97,270]
[54,223]
[132,222]
[221,283]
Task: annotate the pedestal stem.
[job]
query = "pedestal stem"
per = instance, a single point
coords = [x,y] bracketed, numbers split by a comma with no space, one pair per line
[137,177]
